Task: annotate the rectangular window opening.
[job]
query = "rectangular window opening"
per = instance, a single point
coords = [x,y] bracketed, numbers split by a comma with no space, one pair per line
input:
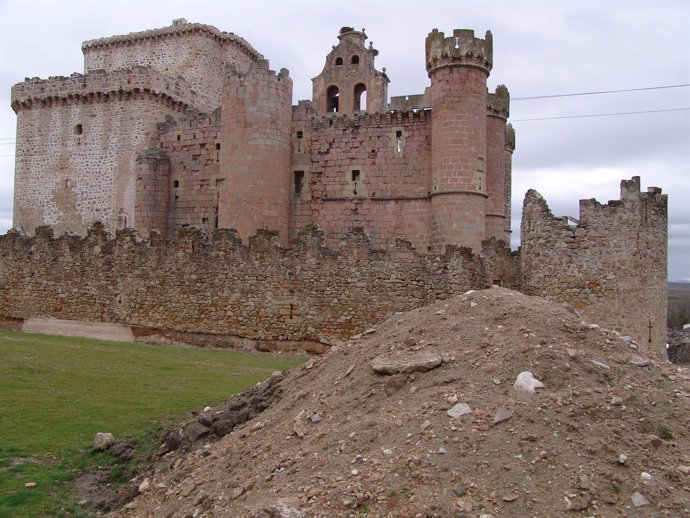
[176,183]
[355,175]
[299,182]
[78,129]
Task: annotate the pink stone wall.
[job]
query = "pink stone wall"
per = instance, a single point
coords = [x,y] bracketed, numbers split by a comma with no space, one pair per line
[368,170]
[255,153]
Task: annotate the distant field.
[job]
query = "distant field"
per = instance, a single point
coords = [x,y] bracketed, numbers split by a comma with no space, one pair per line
[678,304]
[57,392]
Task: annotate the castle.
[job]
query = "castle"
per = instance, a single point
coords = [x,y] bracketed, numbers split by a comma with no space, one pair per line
[187,125]
[181,133]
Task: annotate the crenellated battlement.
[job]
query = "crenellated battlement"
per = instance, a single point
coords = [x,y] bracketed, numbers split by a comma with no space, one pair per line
[179,28]
[460,49]
[99,86]
[499,102]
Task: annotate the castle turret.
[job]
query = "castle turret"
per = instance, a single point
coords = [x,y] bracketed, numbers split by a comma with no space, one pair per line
[255,151]
[497,165]
[458,67]
[349,81]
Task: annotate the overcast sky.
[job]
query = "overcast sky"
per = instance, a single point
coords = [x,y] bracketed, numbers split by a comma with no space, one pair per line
[540,48]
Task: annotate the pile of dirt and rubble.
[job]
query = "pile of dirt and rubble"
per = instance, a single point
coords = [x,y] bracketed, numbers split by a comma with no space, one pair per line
[420,417]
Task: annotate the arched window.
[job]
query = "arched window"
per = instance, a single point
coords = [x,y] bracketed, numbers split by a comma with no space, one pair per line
[332,98]
[360,103]
[338,61]
[355,60]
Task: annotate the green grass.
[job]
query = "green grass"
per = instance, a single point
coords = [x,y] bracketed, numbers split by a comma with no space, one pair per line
[57,392]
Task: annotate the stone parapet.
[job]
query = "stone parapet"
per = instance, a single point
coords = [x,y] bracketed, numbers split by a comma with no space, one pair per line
[98,85]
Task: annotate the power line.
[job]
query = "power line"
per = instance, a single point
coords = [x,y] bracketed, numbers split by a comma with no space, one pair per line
[599,115]
[599,92]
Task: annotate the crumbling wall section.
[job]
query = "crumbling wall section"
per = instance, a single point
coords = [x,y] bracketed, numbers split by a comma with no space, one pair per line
[213,284]
[611,265]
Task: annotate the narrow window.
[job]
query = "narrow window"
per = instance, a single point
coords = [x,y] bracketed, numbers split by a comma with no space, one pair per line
[178,137]
[176,183]
[338,61]
[78,129]
[360,103]
[299,182]
[333,97]
[457,42]
[218,146]
[355,60]
[218,152]
[398,141]
[300,136]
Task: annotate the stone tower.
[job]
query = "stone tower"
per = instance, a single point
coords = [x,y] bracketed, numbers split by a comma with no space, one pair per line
[349,82]
[458,67]
[499,150]
[255,151]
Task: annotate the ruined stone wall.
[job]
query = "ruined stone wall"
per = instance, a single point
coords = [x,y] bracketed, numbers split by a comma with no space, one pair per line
[218,286]
[611,266]
[77,143]
[371,170]
[199,53]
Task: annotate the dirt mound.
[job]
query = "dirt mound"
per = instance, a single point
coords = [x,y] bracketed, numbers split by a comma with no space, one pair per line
[607,435]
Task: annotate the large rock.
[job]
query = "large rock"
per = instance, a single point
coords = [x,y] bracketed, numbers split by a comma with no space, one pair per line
[406,361]
[103,441]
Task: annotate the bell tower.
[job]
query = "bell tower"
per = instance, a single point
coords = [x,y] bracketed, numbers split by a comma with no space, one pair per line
[349,82]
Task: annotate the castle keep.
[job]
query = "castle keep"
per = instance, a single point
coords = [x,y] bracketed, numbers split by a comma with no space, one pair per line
[344,208]
[187,125]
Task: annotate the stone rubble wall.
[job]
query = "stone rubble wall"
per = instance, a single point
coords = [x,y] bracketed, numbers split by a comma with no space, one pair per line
[611,266]
[214,285]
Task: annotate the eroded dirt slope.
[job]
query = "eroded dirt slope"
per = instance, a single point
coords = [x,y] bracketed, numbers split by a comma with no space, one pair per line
[608,434]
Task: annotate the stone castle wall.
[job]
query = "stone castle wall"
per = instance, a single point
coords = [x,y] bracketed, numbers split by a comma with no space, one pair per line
[371,170]
[198,53]
[214,285]
[192,145]
[611,265]
[77,143]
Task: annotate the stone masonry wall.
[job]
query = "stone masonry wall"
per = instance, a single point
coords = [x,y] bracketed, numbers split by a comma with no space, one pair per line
[371,170]
[214,285]
[193,147]
[77,143]
[199,53]
[611,266]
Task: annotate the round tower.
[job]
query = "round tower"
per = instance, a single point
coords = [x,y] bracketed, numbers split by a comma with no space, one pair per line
[497,165]
[458,67]
[254,173]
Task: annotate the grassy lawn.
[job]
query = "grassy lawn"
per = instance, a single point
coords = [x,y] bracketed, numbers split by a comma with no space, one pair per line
[57,392]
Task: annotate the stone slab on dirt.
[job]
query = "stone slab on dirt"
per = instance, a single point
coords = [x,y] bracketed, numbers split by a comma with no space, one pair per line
[594,441]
